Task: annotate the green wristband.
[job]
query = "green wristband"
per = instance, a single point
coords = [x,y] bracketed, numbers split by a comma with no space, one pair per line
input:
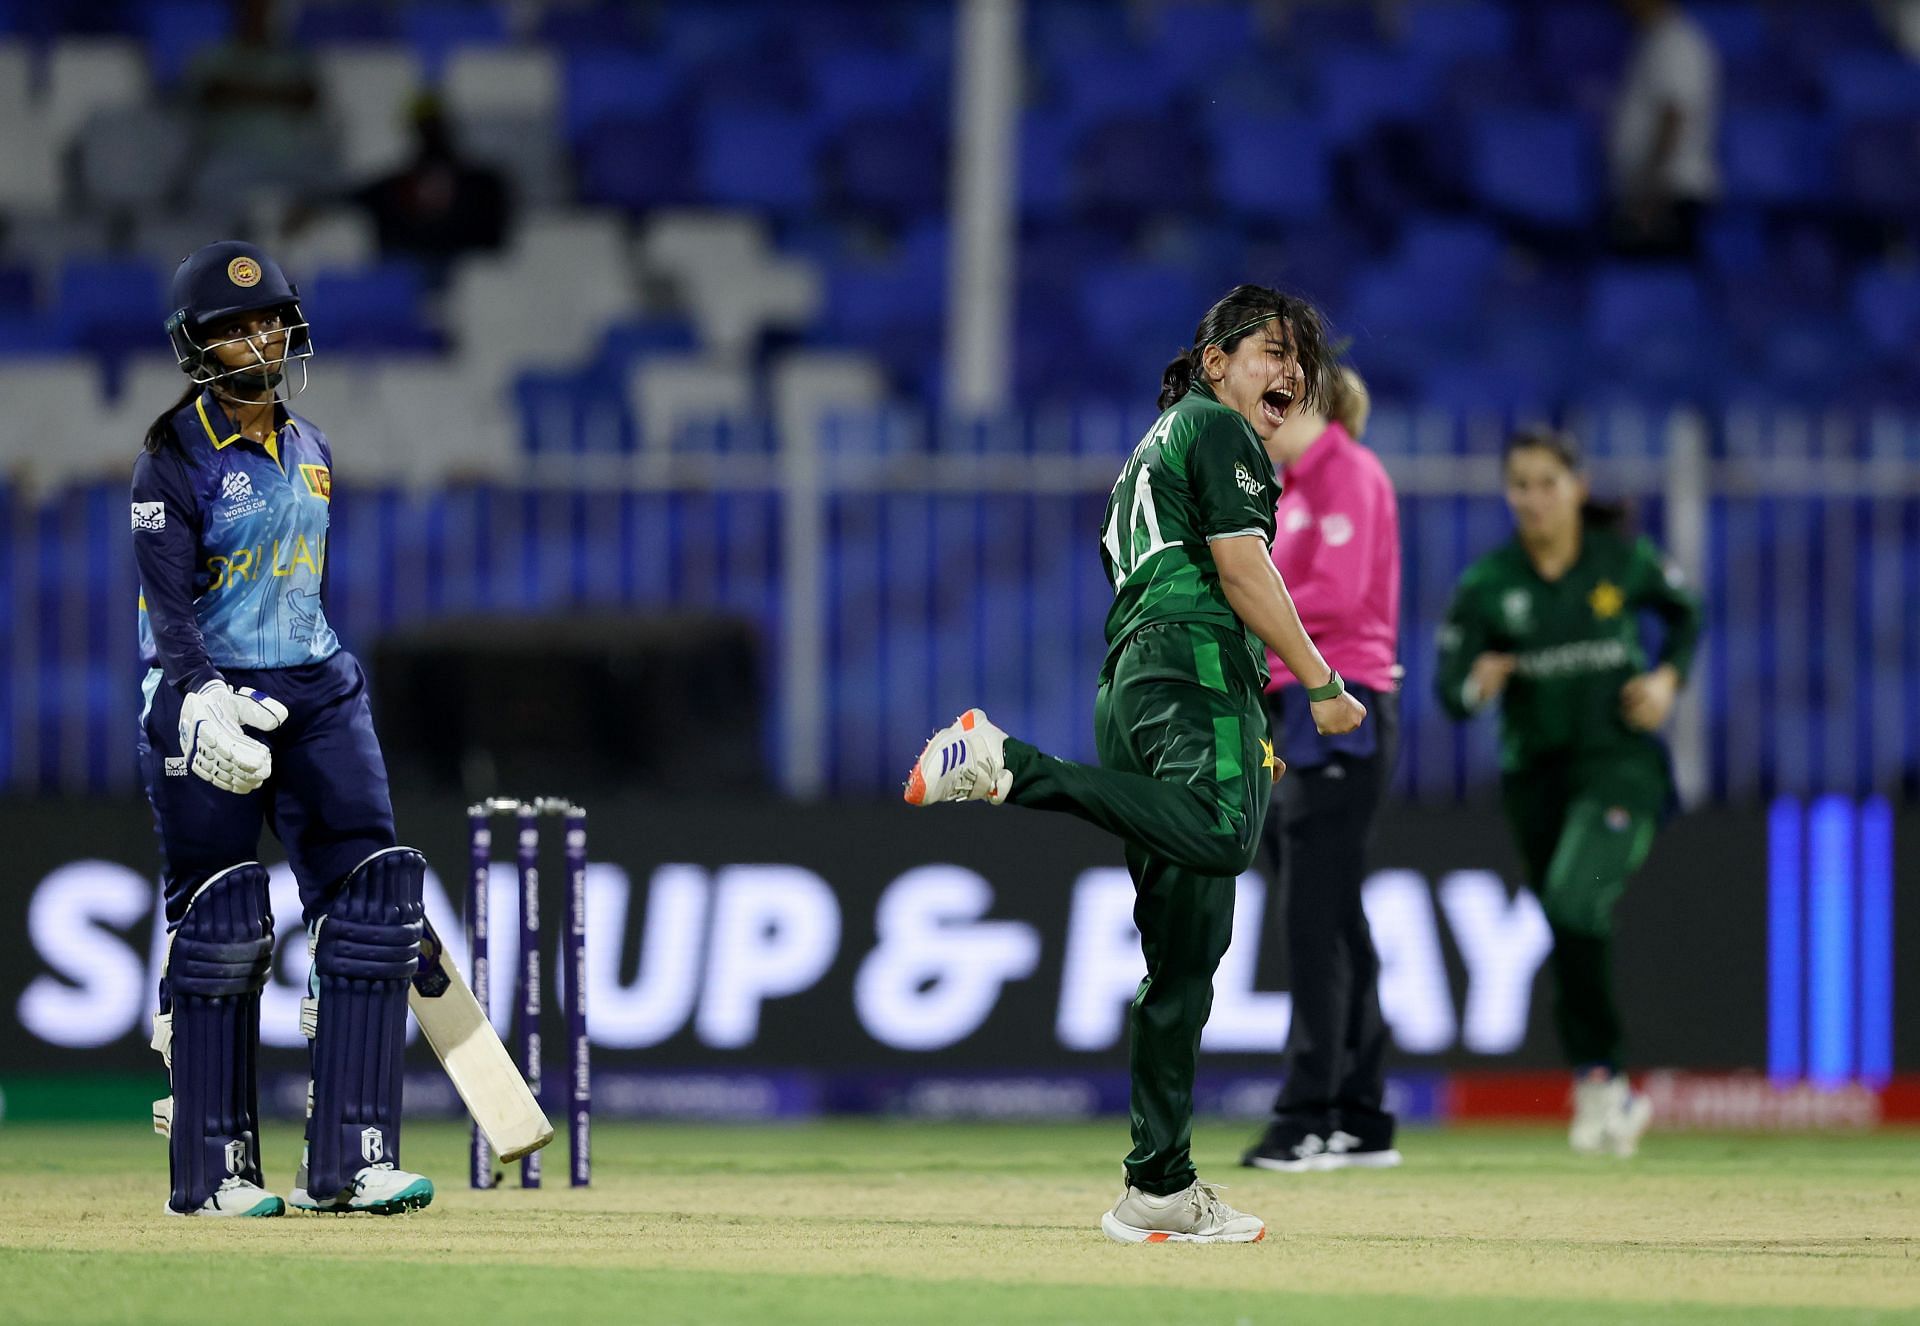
[1332,690]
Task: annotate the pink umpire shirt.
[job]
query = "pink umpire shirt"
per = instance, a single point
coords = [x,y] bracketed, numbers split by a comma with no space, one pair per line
[1337,543]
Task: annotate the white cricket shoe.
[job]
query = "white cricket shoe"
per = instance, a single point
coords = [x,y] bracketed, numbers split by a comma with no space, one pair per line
[236,1197]
[1609,1117]
[1195,1214]
[376,1190]
[963,761]
[1629,1122]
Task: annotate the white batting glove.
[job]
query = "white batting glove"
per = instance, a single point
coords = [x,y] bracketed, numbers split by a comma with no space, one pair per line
[213,740]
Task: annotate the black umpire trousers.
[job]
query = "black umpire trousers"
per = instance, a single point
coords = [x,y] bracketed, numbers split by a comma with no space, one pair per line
[1316,843]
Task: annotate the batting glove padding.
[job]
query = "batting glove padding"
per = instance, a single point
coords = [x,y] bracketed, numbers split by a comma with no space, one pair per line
[213,739]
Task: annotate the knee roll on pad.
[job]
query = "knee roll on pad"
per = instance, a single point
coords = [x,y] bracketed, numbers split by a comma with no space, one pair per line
[208,1031]
[365,951]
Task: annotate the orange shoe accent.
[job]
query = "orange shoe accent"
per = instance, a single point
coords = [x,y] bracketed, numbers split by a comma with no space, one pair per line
[966,720]
[1261,1236]
[916,792]
[1158,1238]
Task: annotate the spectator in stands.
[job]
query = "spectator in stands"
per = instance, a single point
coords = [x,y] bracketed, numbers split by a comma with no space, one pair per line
[440,204]
[257,100]
[1665,122]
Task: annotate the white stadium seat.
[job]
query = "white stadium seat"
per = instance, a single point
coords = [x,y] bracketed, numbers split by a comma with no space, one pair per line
[667,393]
[85,76]
[495,81]
[367,90]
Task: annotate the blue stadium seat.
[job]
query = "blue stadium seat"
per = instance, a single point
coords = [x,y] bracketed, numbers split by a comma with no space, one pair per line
[609,85]
[354,21]
[1360,90]
[1775,158]
[1107,80]
[1579,39]
[16,288]
[584,28]
[865,80]
[177,30]
[694,34]
[1628,304]
[110,304]
[1046,146]
[1537,167]
[636,163]
[1271,168]
[1879,168]
[1198,39]
[1128,171]
[433,30]
[376,308]
[758,158]
[1886,303]
[1127,302]
[893,166]
[1871,85]
[1737,30]
[1448,30]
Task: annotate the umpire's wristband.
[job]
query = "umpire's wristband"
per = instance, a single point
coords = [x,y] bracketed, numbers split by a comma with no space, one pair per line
[1331,691]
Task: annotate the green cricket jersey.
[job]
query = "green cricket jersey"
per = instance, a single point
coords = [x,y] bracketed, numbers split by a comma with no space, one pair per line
[1577,642]
[1199,474]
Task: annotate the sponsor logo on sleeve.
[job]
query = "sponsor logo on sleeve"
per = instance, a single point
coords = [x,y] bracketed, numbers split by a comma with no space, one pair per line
[1337,530]
[1248,484]
[150,516]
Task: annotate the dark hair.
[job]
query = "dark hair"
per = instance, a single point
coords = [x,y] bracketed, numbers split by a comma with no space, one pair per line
[1242,311]
[1565,448]
[160,432]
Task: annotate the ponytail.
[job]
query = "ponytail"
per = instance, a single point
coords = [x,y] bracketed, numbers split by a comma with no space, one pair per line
[1177,381]
[160,434]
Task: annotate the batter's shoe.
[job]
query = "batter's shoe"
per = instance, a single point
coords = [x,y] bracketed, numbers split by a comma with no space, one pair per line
[376,1190]
[1289,1149]
[236,1197]
[962,762]
[1345,1151]
[1608,1115]
[1195,1214]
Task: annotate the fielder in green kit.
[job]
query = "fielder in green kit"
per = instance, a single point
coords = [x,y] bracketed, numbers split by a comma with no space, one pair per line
[1185,768]
[1550,626]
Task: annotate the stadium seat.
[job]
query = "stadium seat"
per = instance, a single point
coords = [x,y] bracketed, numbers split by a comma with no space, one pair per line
[845,84]
[1628,304]
[441,423]
[372,308]
[1879,170]
[667,394]
[132,158]
[1126,303]
[1276,168]
[1871,85]
[603,85]
[1359,90]
[1106,80]
[1536,167]
[637,165]
[176,31]
[890,166]
[525,150]
[56,407]
[16,81]
[436,30]
[29,167]
[111,304]
[1127,172]
[1449,30]
[88,75]
[337,237]
[1775,158]
[367,91]
[758,158]
[1886,304]
[489,81]
[356,22]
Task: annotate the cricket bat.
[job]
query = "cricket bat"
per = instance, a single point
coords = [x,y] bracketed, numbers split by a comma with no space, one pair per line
[481,1069]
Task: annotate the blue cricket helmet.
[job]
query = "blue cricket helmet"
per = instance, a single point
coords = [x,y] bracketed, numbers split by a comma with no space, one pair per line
[221,280]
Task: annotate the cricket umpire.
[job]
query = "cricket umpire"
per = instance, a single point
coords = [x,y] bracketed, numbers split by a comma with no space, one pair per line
[254,713]
[1337,545]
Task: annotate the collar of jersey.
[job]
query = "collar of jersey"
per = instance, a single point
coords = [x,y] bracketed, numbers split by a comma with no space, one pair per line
[221,432]
[1204,390]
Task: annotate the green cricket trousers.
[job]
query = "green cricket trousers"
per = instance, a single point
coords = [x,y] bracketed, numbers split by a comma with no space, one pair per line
[1184,781]
[1584,825]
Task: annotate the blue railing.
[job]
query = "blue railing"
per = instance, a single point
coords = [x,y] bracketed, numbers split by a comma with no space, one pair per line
[915,573]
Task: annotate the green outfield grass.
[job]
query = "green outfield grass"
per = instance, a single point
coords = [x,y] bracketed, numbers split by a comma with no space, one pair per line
[906,1223]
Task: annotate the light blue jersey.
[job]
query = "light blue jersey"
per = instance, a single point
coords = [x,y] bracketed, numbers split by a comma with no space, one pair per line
[231,540]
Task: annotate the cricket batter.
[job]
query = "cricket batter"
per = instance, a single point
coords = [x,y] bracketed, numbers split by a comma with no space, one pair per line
[1549,625]
[1185,767]
[253,711]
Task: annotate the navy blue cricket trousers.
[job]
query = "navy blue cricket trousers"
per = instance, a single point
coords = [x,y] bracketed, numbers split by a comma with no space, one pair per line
[327,801]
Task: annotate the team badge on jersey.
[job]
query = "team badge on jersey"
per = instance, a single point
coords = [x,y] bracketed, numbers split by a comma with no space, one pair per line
[244,272]
[1516,605]
[1606,600]
[319,481]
